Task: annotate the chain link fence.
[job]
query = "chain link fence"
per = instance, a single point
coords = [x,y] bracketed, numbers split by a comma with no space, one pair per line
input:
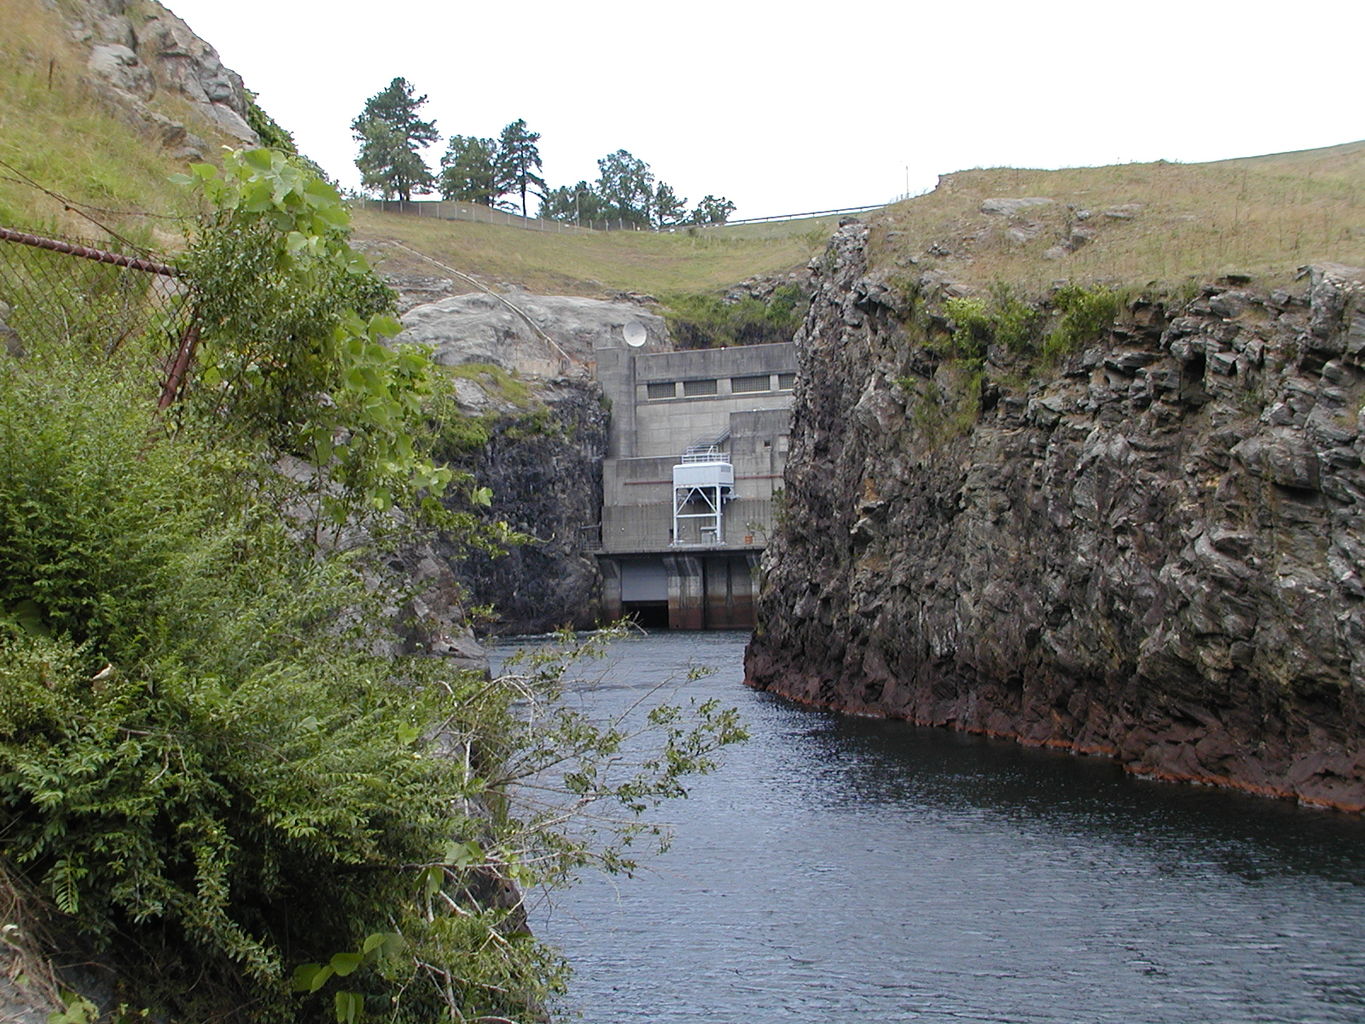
[92,298]
[449,209]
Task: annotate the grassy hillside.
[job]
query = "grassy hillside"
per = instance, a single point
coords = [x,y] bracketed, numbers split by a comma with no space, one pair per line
[1128,224]
[56,130]
[588,263]
[1260,216]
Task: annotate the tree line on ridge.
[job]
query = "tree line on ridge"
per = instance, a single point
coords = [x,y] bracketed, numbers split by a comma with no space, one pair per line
[488,171]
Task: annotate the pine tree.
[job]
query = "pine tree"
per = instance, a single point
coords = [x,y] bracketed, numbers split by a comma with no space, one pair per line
[713,210]
[390,134]
[670,209]
[518,162]
[626,185]
[469,170]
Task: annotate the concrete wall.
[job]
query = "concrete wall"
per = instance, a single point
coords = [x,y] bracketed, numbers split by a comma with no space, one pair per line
[645,426]
[661,403]
[700,591]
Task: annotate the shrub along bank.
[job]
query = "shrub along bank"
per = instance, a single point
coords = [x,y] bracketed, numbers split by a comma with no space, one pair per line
[207,772]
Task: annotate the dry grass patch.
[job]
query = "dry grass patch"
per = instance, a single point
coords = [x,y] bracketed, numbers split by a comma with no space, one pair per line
[1124,225]
[1134,224]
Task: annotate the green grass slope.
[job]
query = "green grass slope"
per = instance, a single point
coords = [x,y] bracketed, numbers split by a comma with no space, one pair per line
[586,263]
[58,130]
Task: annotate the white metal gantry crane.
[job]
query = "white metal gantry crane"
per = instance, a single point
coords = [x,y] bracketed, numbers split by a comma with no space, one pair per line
[702,483]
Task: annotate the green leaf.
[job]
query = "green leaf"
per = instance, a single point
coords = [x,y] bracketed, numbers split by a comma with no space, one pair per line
[317,189]
[345,963]
[305,975]
[258,159]
[335,216]
[28,617]
[373,942]
[349,1006]
[462,855]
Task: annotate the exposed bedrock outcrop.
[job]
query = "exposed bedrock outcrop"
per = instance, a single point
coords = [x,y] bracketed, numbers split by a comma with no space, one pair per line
[1153,551]
[546,439]
[483,328]
[545,471]
[143,52]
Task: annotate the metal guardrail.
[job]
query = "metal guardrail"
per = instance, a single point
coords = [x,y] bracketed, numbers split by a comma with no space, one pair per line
[705,455]
[775,218]
[449,209]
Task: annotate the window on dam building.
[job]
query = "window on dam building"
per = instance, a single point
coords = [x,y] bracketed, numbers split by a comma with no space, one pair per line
[696,388]
[751,384]
[748,385]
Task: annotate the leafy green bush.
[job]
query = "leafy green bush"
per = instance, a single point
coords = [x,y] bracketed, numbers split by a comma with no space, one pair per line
[1006,320]
[973,327]
[293,329]
[1015,321]
[204,762]
[1086,315]
[707,321]
[194,752]
[204,765]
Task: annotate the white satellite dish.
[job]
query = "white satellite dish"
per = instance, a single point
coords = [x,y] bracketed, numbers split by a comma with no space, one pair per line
[635,333]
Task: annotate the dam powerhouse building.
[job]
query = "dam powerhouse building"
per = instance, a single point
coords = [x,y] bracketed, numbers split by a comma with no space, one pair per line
[698,442]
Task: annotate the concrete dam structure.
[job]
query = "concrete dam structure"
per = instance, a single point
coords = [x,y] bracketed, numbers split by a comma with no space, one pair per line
[697,447]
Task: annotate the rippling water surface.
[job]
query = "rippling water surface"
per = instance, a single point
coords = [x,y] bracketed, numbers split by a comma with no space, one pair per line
[843,869]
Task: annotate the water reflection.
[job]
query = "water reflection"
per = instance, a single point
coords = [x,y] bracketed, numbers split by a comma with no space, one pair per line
[854,868]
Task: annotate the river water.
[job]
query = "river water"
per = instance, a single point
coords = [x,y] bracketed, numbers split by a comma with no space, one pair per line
[851,869]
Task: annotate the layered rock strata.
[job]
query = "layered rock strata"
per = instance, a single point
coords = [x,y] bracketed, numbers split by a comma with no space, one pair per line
[1152,551]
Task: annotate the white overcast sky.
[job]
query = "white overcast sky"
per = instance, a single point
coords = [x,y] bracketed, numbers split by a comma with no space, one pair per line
[788,107]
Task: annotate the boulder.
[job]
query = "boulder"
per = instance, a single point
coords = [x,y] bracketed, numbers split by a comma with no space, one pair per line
[535,335]
[1014,207]
[119,66]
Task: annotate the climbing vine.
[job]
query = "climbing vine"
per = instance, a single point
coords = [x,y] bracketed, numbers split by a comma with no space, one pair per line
[294,339]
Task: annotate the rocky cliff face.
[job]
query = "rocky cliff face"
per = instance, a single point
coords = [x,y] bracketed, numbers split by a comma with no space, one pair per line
[522,366]
[534,335]
[139,51]
[1152,551]
[544,468]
